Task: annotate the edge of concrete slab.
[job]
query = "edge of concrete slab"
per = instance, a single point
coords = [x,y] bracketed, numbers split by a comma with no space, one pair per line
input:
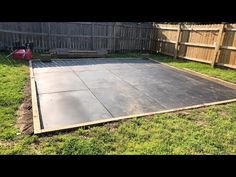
[35,105]
[59,59]
[132,116]
[204,76]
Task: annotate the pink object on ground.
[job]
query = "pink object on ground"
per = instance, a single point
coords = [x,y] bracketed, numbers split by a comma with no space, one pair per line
[22,54]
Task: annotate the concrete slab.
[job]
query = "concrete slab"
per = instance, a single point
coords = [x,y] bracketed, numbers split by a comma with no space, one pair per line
[100,79]
[45,67]
[68,108]
[122,101]
[58,82]
[137,77]
[85,65]
[74,92]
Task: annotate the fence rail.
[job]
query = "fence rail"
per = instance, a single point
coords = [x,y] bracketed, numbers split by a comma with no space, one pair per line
[214,44]
[79,35]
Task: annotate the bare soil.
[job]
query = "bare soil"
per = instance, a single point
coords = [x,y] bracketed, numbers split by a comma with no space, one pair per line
[25,116]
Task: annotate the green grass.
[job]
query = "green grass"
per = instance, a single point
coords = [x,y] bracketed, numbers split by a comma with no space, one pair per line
[210,130]
[12,80]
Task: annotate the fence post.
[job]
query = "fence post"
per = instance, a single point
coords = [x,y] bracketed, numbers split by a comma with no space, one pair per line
[41,38]
[152,40]
[177,41]
[49,31]
[140,41]
[217,46]
[155,39]
[114,37]
[149,39]
[92,35]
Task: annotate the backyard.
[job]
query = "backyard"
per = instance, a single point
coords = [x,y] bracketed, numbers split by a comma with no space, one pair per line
[209,130]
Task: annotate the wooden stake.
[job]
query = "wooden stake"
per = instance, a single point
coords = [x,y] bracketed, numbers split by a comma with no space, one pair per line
[217,47]
[177,41]
[35,104]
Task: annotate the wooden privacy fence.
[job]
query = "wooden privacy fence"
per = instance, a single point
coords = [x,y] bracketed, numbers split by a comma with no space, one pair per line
[113,36]
[213,44]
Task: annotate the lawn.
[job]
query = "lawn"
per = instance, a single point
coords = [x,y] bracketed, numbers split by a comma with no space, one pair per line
[13,76]
[210,130]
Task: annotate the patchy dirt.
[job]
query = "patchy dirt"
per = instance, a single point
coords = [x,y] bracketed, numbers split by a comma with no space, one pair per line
[113,126]
[25,116]
[6,144]
[201,123]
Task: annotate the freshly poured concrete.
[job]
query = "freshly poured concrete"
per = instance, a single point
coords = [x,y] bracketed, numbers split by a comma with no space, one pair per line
[86,90]
[67,108]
